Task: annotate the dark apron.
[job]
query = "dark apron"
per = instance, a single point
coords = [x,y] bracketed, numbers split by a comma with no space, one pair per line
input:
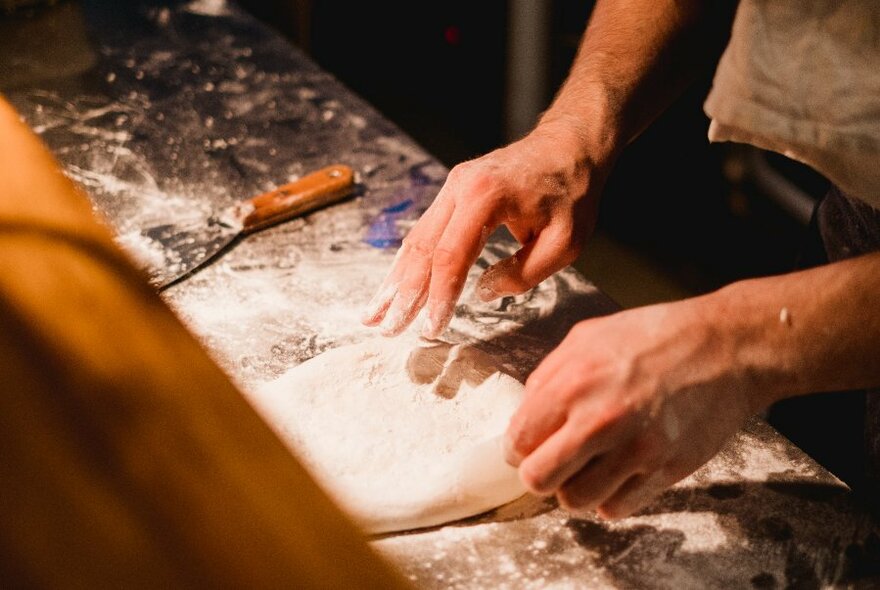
[841,430]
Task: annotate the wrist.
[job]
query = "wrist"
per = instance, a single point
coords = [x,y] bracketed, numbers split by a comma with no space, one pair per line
[592,141]
[752,334]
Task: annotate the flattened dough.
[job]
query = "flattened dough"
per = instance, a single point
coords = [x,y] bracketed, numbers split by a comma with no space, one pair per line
[402,435]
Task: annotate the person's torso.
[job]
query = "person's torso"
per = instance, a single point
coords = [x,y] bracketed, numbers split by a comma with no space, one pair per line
[802,77]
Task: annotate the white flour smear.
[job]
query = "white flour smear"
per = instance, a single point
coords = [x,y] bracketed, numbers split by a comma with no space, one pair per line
[147,253]
[262,321]
[404,434]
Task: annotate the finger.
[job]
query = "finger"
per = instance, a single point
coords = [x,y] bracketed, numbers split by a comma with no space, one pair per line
[393,324]
[407,257]
[531,425]
[595,483]
[455,253]
[555,362]
[542,411]
[378,305]
[635,493]
[402,294]
[550,251]
[522,235]
[562,455]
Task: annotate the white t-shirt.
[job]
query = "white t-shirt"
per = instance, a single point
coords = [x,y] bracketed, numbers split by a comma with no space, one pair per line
[802,77]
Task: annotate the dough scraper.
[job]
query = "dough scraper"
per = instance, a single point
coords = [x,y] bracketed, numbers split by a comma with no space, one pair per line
[189,247]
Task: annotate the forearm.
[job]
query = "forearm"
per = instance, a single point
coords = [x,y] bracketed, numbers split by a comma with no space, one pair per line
[805,332]
[634,59]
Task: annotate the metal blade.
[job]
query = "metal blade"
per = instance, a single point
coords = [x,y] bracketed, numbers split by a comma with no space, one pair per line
[183,249]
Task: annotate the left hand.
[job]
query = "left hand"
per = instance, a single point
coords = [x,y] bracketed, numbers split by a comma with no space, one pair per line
[627,405]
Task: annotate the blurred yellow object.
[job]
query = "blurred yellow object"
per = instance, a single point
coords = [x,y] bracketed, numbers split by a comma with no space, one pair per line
[128,458]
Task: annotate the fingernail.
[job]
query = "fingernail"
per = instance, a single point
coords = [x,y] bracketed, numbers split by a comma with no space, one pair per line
[486,293]
[428,328]
[379,301]
[510,456]
[391,325]
[368,316]
[401,311]
[439,316]
[488,286]
[485,285]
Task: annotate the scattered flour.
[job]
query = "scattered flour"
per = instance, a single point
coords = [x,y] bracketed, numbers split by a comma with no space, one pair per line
[146,252]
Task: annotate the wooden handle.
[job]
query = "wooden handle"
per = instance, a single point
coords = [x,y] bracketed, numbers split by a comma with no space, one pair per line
[310,192]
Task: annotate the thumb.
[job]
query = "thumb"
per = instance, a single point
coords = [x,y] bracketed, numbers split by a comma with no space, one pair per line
[548,252]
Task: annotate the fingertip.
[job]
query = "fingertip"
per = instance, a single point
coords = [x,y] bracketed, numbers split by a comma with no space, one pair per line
[391,331]
[486,293]
[491,284]
[613,512]
[535,480]
[370,318]
[511,456]
[428,329]
[539,258]
[632,496]
[402,310]
[394,322]
[377,308]
[572,504]
[437,319]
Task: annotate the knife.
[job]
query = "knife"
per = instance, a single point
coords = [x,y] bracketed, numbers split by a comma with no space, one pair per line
[183,249]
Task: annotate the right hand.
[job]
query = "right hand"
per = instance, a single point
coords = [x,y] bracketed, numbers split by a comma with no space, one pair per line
[540,187]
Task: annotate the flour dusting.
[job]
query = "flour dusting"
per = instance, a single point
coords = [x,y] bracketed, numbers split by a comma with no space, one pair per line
[403,434]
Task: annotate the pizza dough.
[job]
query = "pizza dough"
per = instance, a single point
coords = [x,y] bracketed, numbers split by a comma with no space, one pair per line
[403,435]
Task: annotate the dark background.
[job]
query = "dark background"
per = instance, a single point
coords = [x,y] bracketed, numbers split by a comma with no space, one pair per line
[679,216]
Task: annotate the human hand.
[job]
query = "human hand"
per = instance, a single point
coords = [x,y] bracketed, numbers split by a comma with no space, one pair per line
[627,405]
[539,187]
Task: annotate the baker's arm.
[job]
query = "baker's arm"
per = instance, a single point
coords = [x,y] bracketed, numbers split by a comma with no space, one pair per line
[631,403]
[634,59]
[128,458]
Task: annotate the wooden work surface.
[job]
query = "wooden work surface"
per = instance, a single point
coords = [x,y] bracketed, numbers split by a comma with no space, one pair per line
[166,111]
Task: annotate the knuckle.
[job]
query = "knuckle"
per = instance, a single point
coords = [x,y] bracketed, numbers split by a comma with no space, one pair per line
[581,330]
[459,172]
[445,258]
[646,448]
[483,182]
[575,389]
[476,182]
[535,381]
[568,398]
[418,247]
[590,414]
[606,418]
